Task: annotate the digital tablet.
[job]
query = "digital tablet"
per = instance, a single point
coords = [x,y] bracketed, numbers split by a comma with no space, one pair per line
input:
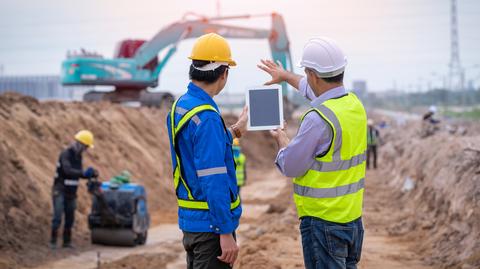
[265,107]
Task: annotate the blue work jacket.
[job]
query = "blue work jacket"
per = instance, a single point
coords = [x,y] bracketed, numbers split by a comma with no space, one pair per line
[207,165]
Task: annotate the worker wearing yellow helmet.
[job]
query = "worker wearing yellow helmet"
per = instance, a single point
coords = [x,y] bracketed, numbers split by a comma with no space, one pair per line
[202,159]
[241,164]
[68,172]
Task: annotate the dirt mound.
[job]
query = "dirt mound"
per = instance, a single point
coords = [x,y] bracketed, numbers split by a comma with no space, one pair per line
[439,214]
[441,211]
[34,133]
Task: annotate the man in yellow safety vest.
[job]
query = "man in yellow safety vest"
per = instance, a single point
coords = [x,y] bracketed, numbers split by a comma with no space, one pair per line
[326,157]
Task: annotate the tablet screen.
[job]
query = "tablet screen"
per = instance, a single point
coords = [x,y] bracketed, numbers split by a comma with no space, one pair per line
[264,107]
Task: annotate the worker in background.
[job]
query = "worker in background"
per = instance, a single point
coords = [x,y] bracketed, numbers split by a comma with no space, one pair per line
[203,163]
[373,138]
[430,115]
[326,157]
[429,123]
[64,192]
[241,164]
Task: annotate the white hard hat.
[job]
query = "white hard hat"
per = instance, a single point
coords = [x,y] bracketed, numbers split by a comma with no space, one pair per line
[432,109]
[324,56]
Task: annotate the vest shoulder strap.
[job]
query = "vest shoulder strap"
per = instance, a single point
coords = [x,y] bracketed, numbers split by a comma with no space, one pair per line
[187,115]
[329,124]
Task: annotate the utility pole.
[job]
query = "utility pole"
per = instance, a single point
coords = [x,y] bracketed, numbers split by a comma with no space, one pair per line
[456,72]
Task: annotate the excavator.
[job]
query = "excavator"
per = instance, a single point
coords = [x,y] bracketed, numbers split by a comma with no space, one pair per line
[137,64]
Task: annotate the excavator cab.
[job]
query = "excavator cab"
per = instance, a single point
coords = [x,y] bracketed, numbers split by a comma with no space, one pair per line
[127,49]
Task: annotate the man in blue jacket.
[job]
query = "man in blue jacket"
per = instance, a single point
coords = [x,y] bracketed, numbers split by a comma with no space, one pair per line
[202,158]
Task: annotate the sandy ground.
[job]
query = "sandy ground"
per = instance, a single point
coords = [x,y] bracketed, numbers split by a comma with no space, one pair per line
[434,224]
[278,245]
[381,250]
[164,239]
[164,249]
[160,239]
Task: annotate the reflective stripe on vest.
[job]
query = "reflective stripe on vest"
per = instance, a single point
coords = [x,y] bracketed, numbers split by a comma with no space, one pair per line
[188,115]
[198,205]
[329,192]
[332,189]
[339,165]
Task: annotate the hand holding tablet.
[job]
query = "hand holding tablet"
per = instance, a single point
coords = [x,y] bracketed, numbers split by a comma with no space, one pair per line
[265,108]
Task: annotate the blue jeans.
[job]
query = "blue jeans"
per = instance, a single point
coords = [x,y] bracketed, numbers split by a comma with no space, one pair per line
[63,205]
[328,245]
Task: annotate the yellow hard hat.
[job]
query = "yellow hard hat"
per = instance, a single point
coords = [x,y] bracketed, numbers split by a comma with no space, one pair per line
[212,47]
[85,137]
[236,142]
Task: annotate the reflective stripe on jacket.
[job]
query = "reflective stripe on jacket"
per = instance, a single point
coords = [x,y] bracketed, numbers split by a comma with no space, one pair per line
[333,187]
[203,165]
[68,172]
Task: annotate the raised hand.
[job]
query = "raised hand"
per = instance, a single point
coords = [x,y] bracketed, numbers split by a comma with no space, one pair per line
[275,70]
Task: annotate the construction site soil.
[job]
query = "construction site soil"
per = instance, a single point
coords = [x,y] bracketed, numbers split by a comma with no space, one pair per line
[33,134]
[421,206]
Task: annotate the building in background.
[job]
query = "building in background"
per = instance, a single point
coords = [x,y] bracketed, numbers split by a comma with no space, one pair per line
[40,87]
[359,87]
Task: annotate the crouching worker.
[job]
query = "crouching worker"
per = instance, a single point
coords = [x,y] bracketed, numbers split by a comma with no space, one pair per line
[64,191]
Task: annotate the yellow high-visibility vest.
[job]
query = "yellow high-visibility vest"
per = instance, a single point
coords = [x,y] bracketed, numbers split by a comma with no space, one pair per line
[240,169]
[191,203]
[332,189]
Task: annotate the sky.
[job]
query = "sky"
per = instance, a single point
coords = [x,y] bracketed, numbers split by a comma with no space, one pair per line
[403,44]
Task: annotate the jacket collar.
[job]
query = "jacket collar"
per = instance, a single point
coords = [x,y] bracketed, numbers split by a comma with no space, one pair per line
[199,93]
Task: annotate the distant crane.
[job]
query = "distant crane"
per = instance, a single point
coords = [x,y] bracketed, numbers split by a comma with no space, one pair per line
[456,72]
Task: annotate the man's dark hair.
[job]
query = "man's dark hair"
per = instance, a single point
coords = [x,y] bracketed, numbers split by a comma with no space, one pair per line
[335,79]
[205,76]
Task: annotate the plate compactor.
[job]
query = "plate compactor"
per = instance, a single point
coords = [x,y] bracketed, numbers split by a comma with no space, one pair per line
[119,214]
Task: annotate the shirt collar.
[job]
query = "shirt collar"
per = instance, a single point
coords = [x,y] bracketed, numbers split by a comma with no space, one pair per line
[199,93]
[332,93]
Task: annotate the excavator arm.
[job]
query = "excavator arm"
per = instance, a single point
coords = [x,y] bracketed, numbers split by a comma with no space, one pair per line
[176,32]
[131,75]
